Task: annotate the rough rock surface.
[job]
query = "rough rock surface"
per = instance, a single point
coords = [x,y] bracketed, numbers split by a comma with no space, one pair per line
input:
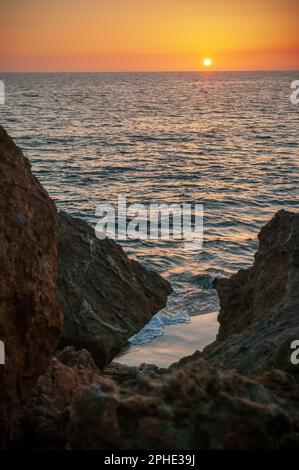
[190,407]
[259,316]
[30,319]
[105,297]
[195,407]
[46,419]
[195,404]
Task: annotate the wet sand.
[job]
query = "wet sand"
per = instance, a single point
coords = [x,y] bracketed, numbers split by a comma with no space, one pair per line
[178,341]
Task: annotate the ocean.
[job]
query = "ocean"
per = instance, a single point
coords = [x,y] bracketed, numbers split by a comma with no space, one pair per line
[226,140]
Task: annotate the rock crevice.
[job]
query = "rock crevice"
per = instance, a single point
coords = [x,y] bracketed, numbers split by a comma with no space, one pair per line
[241,392]
[105,296]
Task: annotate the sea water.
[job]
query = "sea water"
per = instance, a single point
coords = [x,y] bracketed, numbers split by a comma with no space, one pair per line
[226,140]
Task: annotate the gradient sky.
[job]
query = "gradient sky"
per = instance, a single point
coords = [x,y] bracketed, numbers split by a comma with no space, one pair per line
[124,35]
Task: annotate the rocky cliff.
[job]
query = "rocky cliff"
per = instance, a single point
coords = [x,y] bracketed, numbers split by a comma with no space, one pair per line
[30,319]
[241,392]
[259,316]
[105,296]
[200,402]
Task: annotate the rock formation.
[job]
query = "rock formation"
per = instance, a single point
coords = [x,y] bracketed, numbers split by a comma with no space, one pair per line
[259,316]
[196,403]
[105,297]
[47,412]
[190,406]
[193,407]
[66,401]
[30,319]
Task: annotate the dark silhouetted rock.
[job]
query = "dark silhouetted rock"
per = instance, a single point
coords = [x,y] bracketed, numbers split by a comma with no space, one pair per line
[47,413]
[259,316]
[197,404]
[105,297]
[30,319]
[195,407]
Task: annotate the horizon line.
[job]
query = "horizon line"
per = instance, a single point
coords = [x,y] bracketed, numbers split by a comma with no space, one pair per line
[204,71]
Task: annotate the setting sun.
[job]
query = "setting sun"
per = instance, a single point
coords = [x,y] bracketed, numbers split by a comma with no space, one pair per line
[207,62]
[131,35]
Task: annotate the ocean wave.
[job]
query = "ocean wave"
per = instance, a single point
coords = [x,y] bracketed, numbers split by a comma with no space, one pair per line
[156,325]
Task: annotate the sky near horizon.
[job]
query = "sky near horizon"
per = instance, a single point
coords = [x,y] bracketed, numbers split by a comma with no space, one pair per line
[143,35]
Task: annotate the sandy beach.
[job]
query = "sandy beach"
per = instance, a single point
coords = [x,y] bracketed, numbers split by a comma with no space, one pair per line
[178,341]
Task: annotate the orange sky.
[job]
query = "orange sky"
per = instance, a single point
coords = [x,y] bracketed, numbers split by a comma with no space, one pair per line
[117,35]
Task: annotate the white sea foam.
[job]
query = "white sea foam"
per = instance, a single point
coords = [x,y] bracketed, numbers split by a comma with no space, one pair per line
[156,326]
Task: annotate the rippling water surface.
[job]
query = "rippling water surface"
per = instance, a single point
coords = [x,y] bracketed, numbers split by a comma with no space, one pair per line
[227,140]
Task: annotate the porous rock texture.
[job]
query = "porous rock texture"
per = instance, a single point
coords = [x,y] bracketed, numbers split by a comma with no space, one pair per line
[105,296]
[30,318]
[198,402]
[46,419]
[259,316]
[192,405]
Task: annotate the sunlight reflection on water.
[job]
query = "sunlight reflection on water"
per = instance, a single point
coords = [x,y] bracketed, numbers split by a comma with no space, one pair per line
[227,140]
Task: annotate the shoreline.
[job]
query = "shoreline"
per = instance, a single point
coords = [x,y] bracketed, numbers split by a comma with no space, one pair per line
[178,341]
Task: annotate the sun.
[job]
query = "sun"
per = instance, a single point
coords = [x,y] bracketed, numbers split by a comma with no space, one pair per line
[207,62]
